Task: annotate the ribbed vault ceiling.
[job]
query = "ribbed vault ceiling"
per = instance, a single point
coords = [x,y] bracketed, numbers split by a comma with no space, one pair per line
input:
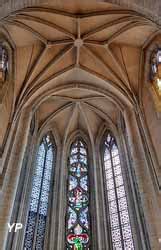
[96,46]
[77,109]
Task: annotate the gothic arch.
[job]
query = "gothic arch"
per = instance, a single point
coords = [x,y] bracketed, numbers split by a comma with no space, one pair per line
[81,69]
[34,102]
[7,95]
[141,241]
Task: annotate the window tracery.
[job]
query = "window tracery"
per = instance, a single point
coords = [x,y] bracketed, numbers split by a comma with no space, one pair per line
[3,63]
[120,227]
[77,218]
[156,69]
[39,198]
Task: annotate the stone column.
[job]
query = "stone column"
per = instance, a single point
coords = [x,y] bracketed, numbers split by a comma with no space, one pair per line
[12,174]
[143,177]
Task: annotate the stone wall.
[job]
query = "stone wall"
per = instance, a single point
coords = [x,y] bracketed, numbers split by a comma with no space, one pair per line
[150,8]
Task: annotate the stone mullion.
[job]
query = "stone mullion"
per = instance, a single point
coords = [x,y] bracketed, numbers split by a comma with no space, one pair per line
[60,231]
[51,199]
[116,198]
[95,210]
[37,216]
[104,209]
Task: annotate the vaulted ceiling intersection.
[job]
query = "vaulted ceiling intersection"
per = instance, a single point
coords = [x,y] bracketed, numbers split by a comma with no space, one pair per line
[104,46]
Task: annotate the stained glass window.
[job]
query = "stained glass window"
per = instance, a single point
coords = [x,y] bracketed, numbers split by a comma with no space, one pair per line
[120,227]
[156,68]
[3,63]
[39,199]
[77,217]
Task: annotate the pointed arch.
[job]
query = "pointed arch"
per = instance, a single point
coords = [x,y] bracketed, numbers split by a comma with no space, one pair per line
[77,214]
[116,197]
[39,197]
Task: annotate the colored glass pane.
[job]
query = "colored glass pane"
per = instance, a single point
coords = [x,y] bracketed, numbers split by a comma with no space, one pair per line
[77,224]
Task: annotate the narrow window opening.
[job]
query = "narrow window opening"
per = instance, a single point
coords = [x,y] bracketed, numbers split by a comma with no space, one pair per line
[77,218]
[120,226]
[39,199]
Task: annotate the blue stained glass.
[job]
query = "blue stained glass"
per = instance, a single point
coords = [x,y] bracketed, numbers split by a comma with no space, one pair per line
[33,205]
[83,151]
[40,195]
[84,217]
[78,169]
[83,183]
[74,150]
[72,182]
[37,181]
[72,218]
[73,159]
[30,230]
[35,192]
[83,159]
[43,208]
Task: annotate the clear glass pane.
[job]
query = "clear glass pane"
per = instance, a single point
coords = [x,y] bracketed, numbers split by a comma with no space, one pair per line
[113,207]
[114,220]
[128,244]
[124,216]
[119,180]
[122,203]
[117,245]
[120,191]
[126,231]
[117,170]
[110,184]
[106,155]
[111,195]
[116,160]
[109,174]
[117,203]
[40,195]
[116,235]
[108,164]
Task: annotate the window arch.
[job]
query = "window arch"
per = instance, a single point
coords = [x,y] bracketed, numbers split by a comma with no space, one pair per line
[77,217]
[117,209]
[3,62]
[39,198]
[155,71]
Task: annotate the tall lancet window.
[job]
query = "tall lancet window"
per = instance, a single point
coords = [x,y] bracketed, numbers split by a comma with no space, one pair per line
[117,211]
[39,199]
[3,63]
[77,217]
